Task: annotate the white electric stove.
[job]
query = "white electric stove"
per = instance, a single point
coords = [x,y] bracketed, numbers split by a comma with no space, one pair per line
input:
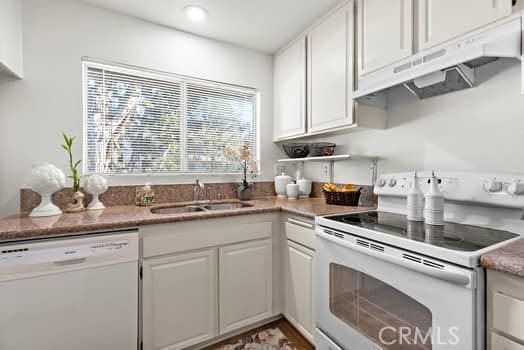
[384,282]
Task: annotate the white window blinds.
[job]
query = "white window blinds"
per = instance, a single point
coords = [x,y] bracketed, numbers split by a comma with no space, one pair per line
[145,122]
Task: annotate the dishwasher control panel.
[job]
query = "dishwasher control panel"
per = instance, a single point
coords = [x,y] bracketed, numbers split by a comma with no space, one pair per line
[36,253]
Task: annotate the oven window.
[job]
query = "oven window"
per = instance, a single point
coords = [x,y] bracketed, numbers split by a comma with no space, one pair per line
[384,314]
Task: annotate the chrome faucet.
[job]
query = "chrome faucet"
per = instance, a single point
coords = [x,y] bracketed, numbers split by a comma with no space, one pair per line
[197,190]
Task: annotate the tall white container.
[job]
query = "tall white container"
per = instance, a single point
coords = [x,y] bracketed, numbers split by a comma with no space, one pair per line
[281,181]
[434,207]
[415,201]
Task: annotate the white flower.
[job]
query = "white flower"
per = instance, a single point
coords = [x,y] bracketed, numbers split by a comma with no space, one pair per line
[95,184]
[46,178]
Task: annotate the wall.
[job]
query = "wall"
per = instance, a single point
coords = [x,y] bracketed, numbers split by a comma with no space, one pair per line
[57,33]
[479,129]
[11,36]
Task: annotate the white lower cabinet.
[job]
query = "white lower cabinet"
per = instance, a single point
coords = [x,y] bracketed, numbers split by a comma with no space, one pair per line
[505,305]
[205,278]
[179,296]
[299,288]
[499,342]
[246,288]
[298,262]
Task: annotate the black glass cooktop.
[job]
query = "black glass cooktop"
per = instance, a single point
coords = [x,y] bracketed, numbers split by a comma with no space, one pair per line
[451,236]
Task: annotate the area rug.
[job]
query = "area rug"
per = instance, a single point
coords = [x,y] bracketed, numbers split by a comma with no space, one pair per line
[266,339]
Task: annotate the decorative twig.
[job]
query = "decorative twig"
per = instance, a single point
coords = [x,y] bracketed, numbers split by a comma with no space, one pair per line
[73,166]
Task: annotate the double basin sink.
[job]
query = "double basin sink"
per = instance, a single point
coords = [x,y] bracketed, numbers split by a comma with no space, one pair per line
[194,208]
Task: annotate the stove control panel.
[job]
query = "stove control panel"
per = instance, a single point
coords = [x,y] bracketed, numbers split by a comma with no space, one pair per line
[492,189]
[516,188]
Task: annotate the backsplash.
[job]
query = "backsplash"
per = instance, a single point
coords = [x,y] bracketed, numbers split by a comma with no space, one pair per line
[125,195]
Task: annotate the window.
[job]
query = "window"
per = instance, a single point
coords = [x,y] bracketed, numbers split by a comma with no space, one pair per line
[146,122]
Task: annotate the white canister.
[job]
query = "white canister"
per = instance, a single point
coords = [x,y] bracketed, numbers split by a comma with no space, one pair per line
[304,188]
[292,191]
[281,181]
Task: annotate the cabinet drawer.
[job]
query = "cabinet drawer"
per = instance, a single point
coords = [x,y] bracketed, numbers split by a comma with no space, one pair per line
[499,342]
[301,232]
[186,236]
[508,315]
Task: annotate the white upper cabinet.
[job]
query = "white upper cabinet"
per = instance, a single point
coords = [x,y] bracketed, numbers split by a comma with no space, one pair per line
[290,91]
[11,38]
[443,20]
[385,33]
[330,71]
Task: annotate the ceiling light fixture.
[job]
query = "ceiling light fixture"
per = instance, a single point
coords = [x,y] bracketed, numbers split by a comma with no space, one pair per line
[195,13]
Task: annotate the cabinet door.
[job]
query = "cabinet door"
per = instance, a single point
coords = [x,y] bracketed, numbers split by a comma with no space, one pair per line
[246,286]
[179,300]
[385,33]
[443,20]
[330,68]
[299,288]
[499,342]
[290,91]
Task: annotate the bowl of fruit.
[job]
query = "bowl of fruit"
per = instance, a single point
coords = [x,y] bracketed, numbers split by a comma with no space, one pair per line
[347,194]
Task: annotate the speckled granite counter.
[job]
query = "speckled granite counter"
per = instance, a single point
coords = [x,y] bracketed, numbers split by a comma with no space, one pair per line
[509,259]
[118,217]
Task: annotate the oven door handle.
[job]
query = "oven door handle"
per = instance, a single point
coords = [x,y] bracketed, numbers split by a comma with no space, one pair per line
[452,276]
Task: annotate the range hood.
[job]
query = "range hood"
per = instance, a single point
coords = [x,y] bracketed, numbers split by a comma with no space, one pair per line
[446,68]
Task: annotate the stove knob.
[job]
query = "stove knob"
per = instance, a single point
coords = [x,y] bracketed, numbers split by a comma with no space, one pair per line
[516,188]
[493,186]
[381,182]
[392,182]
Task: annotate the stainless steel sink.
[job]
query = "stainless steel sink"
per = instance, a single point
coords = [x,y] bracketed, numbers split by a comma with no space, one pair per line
[193,208]
[227,206]
[177,209]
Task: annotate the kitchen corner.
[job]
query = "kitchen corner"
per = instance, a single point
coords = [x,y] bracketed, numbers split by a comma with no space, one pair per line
[277,175]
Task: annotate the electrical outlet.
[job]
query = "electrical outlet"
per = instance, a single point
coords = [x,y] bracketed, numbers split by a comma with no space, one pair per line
[279,169]
[325,168]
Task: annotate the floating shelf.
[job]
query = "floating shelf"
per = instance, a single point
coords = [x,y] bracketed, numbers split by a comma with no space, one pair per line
[316,159]
[331,160]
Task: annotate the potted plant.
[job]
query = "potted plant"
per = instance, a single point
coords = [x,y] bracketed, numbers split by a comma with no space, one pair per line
[242,155]
[77,203]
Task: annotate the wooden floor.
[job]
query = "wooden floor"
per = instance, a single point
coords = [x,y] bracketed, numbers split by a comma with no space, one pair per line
[289,331]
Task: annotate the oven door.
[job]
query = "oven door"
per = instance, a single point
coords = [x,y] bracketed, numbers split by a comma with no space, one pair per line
[371,296]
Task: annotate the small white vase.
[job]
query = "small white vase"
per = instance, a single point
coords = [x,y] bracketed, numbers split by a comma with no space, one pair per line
[95,203]
[292,191]
[95,185]
[304,188]
[46,207]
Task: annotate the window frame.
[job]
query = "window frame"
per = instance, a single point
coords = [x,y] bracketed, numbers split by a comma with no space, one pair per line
[183,80]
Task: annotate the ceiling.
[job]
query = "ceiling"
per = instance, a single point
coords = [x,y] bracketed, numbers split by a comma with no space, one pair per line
[262,25]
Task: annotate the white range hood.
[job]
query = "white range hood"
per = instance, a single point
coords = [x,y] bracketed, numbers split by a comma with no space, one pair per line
[446,68]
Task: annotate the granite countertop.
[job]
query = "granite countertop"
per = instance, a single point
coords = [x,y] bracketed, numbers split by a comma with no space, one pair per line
[118,217]
[509,259]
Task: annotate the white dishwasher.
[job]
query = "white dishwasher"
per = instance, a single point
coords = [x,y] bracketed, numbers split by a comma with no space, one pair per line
[70,293]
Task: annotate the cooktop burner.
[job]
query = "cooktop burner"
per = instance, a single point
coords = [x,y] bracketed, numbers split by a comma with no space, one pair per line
[451,236]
